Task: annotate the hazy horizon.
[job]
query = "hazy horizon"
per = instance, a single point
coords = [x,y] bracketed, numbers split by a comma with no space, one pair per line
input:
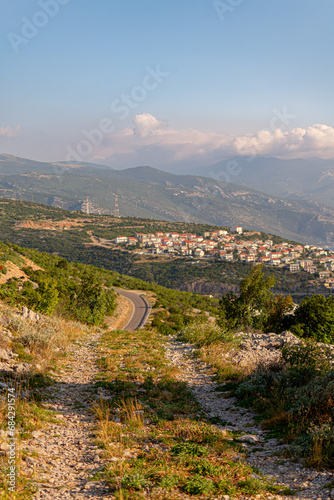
[172,85]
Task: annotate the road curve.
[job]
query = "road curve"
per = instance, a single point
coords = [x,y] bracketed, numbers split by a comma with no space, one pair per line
[141,309]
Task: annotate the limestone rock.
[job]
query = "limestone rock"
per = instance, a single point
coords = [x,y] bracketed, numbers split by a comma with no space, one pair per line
[4,355]
[29,315]
[249,438]
[4,320]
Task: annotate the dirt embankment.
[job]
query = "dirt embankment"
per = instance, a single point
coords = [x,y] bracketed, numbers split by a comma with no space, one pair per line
[13,271]
[123,312]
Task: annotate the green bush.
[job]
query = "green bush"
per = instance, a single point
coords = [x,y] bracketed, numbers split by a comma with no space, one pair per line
[205,334]
[296,399]
[304,362]
[76,292]
[313,402]
[314,319]
[250,307]
[319,446]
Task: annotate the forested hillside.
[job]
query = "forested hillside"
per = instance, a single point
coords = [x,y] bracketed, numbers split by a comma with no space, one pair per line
[71,236]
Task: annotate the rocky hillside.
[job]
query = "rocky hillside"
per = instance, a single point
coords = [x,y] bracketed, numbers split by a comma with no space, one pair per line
[148,192]
[309,179]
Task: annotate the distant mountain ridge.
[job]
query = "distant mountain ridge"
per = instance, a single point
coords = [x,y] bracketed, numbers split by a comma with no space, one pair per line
[308,179]
[147,192]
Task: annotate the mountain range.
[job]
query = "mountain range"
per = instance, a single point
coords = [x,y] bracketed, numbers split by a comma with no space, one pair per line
[147,192]
[307,179]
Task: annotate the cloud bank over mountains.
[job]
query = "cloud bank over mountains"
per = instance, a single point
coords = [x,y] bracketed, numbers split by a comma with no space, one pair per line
[152,141]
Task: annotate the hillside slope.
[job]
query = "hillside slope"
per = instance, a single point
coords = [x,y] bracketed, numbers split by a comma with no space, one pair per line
[151,193]
[308,179]
[87,239]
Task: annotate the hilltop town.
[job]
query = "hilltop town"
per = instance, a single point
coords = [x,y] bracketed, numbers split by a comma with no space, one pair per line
[236,244]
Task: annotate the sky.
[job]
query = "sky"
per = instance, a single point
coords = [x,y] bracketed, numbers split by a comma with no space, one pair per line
[167,83]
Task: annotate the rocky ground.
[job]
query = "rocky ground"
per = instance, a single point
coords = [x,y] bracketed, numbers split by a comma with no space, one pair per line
[263,453]
[63,456]
[262,349]
[62,459]
[8,359]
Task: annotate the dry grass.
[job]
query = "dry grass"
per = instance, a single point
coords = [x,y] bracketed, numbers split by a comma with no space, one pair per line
[152,431]
[42,342]
[214,344]
[214,355]
[132,412]
[29,416]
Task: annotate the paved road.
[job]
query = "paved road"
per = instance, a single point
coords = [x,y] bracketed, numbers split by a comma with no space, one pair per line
[141,309]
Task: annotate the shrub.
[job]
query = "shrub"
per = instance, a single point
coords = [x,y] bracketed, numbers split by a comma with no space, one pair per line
[313,401]
[249,308]
[304,361]
[314,318]
[205,334]
[296,399]
[320,446]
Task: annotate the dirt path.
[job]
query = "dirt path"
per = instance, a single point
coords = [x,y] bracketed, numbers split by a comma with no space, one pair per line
[67,457]
[261,452]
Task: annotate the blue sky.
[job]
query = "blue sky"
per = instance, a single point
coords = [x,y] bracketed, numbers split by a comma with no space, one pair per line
[231,70]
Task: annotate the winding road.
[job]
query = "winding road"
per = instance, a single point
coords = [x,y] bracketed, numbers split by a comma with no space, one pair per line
[141,309]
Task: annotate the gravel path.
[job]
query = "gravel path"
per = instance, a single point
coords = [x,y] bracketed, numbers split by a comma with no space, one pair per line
[64,458]
[308,483]
[67,457]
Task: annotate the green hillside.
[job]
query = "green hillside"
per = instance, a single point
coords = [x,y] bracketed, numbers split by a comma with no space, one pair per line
[208,277]
[151,193]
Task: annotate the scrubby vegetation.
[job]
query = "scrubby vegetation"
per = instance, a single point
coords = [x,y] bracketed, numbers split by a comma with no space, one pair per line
[174,449]
[68,290]
[314,319]
[73,244]
[295,399]
[43,346]
[84,293]
[257,307]
[295,396]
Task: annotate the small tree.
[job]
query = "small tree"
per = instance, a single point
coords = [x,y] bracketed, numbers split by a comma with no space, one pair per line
[92,300]
[249,307]
[314,318]
[277,309]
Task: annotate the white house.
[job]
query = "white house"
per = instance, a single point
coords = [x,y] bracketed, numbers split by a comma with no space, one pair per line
[121,239]
[236,229]
[198,252]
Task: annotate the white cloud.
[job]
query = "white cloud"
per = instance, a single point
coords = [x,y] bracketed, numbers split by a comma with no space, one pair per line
[153,142]
[147,125]
[9,132]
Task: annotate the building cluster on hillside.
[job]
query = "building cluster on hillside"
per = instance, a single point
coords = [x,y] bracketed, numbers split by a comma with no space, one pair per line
[230,246]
